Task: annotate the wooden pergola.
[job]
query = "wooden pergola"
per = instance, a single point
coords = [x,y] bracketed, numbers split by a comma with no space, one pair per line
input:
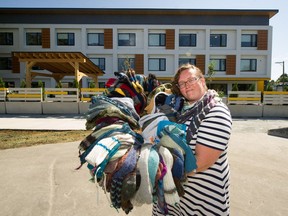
[58,65]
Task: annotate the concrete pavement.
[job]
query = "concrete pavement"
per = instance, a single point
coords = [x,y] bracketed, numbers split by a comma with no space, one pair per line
[42,180]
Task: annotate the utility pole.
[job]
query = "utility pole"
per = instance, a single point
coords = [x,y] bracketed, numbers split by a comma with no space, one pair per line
[283,67]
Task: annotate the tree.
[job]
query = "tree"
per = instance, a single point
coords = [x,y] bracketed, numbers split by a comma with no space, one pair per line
[210,73]
[2,83]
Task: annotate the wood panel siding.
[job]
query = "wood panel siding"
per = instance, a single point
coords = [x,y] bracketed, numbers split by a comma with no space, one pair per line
[139,64]
[230,65]
[170,39]
[46,38]
[200,63]
[262,43]
[108,38]
[15,65]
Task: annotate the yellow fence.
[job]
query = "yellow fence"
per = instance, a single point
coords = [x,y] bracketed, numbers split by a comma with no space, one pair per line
[61,94]
[24,94]
[244,97]
[275,98]
[87,93]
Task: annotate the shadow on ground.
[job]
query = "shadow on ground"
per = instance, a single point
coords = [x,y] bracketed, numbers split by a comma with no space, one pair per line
[280,132]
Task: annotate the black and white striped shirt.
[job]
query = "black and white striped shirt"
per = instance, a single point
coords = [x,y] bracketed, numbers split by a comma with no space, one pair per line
[207,192]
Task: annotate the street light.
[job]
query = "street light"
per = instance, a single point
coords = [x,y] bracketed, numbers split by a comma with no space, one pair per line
[283,64]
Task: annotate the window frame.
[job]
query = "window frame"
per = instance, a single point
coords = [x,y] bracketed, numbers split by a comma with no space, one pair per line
[102,65]
[38,38]
[5,63]
[68,40]
[192,40]
[252,65]
[161,39]
[161,64]
[222,40]
[219,64]
[252,42]
[99,39]
[7,40]
[131,63]
[131,41]
[189,60]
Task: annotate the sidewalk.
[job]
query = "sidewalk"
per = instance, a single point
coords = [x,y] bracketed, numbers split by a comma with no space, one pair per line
[42,180]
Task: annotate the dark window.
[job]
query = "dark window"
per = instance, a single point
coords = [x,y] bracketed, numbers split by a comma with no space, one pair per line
[248,64]
[5,63]
[65,39]
[157,39]
[126,39]
[125,63]
[248,40]
[33,38]
[6,38]
[100,62]
[186,61]
[187,40]
[219,64]
[95,39]
[157,64]
[218,40]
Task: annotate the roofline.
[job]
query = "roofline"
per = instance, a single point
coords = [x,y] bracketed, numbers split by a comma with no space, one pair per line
[148,11]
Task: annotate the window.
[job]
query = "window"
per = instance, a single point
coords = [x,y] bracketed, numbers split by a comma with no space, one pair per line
[248,40]
[125,63]
[100,62]
[95,39]
[157,39]
[218,40]
[65,39]
[6,38]
[101,84]
[126,39]
[157,64]
[248,64]
[186,61]
[219,64]
[5,63]
[187,40]
[33,38]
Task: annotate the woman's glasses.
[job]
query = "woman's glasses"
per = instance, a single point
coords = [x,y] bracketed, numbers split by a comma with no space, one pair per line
[189,82]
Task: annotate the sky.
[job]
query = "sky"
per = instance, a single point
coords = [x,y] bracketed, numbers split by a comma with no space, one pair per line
[278,22]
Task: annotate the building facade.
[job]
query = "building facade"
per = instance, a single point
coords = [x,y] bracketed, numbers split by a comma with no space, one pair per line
[238,43]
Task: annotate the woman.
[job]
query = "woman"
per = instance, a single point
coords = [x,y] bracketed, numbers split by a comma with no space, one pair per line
[209,126]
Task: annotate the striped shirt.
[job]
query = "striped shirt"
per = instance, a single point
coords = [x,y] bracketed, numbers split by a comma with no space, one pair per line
[207,192]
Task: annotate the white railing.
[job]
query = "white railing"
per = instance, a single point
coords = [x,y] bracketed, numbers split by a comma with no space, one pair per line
[275,98]
[87,93]
[3,92]
[244,97]
[24,94]
[61,94]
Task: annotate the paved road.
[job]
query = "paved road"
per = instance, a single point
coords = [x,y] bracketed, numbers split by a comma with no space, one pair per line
[42,180]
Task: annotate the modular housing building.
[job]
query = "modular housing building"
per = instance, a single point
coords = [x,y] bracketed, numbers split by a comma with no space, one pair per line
[238,43]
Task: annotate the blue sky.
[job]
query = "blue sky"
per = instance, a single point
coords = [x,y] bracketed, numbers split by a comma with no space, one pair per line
[278,22]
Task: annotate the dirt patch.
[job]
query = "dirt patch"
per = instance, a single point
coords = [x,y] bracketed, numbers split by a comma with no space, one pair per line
[24,138]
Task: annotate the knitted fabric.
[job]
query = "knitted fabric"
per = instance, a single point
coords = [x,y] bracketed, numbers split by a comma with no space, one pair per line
[144,193]
[91,138]
[123,129]
[130,88]
[170,191]
[149,132]
[160,188]
[175,138]
[103,106]
[117,179]
[198,111]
